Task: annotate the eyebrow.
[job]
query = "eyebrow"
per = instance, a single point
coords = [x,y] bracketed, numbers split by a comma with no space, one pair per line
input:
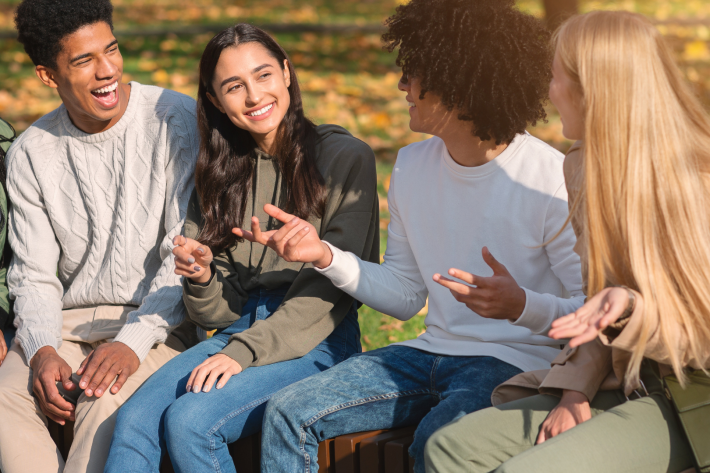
[253,71]
[82,56]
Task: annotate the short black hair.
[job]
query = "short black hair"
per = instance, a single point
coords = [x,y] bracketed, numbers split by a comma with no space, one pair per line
[42,25]
[484,57]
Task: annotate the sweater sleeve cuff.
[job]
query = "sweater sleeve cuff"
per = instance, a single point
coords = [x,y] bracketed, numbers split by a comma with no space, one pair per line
[202,291]
[343,269]
[36,339]
[239,352]
[536,315]
[138,337]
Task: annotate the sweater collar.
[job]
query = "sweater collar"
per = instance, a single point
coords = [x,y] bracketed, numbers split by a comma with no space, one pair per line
[116,130]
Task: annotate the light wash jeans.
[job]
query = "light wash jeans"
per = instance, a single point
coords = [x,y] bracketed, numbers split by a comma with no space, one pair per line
[387,388]
[195,428]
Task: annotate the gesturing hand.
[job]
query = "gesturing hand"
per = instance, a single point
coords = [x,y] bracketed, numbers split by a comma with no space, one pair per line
[495,297]
[205,375]
[3,348]
[48,368]
[585,324]
[192,259]
[297,240]
[101,367]
[572,410]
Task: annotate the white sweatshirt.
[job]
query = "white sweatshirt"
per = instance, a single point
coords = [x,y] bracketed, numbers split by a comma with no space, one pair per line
[442,215]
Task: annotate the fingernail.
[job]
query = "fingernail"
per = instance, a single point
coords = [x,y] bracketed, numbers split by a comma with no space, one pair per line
[189,388]
[219,386]
[201,250]
[197,268]
[99,392]
[191,260]
[195,389]
[83,385]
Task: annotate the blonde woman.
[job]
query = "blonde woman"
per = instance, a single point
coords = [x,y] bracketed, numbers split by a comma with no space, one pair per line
[645,233]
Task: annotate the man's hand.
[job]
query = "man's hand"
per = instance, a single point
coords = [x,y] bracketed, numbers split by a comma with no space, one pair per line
[3,348]
[102,366]
[192,259]
[296,241]
[47,369]
[205,375]
[572,410]
[495,297]
[587,322]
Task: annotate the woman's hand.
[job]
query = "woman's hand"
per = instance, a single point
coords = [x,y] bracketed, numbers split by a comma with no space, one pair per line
[211,369]
[585,324]
[192,259]
[297,240]
[572,410]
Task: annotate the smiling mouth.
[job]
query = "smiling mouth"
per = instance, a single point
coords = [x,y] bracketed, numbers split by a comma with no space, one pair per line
[412,104]
[107,96]
[261,111]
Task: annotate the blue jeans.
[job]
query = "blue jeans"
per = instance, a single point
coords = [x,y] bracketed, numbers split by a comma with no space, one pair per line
[195,428]
[384,389]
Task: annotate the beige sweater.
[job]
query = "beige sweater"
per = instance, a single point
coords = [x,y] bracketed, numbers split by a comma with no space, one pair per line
[93,218]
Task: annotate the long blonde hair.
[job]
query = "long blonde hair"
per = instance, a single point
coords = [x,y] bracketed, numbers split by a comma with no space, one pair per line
[645,194]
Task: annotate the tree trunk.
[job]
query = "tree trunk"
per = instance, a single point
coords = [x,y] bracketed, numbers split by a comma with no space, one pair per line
[557,11]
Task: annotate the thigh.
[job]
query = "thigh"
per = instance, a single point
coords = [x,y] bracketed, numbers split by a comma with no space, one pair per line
[637,436]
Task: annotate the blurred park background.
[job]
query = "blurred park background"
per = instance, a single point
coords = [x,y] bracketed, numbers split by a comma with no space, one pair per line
[346,77]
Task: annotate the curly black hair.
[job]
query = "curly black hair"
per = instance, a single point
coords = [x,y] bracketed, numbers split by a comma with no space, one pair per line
[43,24]
[482,57]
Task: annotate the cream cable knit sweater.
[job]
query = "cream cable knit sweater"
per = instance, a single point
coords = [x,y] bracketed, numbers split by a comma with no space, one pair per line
[93,217]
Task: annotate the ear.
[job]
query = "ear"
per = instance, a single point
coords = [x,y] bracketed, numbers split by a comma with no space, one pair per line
[287,73]
[46,75]
[215,102]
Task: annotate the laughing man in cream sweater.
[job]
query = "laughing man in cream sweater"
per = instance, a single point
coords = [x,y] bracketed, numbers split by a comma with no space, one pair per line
[99,187]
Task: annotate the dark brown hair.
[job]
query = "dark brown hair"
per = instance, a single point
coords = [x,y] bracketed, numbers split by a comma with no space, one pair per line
[483,57]
[226,161]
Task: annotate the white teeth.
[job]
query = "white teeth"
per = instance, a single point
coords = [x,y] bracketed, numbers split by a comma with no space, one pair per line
[411,104]
[107,89]
[261,111]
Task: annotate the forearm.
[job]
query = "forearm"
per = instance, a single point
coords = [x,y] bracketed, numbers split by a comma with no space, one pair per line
[385,289]
[543,309]
[216,304]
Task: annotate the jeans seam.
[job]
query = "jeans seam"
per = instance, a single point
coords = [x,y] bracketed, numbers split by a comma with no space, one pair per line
[432,375]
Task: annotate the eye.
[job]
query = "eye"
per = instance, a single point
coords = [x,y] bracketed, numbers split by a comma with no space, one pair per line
[264,75]
[114,49]
[234,87]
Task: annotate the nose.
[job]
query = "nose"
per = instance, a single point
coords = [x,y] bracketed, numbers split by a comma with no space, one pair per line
[403,84]
[253,95]
[106,69]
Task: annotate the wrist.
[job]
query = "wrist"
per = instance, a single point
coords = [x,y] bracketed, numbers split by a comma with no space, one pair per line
[519,306]
[576,397]
[325,260]
[41,353]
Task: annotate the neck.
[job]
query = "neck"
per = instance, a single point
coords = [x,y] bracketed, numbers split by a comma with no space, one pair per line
[465,148]
[93,126]
[266,142]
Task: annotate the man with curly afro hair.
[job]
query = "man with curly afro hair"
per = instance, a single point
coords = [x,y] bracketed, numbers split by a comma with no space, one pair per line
[479,200]
[99,188]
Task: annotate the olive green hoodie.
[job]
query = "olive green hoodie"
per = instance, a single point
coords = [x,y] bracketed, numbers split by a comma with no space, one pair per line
[313,307]
[6,318]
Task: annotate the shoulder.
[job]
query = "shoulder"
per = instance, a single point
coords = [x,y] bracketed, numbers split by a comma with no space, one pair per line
[339,151]
[542,152]
[166,104]
[419,160]
[41,136]
[536,164]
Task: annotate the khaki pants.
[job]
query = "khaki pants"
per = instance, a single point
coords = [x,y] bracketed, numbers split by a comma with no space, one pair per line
[25,445]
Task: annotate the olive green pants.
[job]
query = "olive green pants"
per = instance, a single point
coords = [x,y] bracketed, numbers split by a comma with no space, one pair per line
[642,435]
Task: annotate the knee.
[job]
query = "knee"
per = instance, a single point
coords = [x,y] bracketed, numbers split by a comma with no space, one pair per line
[441,452]
[185,422]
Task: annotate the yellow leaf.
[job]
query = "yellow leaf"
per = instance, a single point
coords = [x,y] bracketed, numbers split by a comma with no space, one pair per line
[160,76]
[696,51]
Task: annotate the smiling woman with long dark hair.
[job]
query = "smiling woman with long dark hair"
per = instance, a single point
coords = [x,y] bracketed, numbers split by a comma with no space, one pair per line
[276,322]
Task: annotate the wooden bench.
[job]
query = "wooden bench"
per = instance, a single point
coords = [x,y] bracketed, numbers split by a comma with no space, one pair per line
[379,451]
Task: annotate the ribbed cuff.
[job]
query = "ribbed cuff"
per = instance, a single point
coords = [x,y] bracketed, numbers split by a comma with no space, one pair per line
[239,352]
[138,337]
[33,340]
[536,315]
[343,269]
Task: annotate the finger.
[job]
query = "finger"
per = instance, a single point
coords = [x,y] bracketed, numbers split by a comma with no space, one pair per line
[101,372]
[3,348]
[183,256]
[567,332]
[256,231]
[90,369]
[83,364]
[454,286]
[277,213]
[54,401]
[107,380]
[586,337]
[296,239]
[212,379]
[65,377]
[541,436]
[284,231]
[122,378]
[202,372]
[191,380]
[244,234]
[179,240]
[497,267]
[468,278]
